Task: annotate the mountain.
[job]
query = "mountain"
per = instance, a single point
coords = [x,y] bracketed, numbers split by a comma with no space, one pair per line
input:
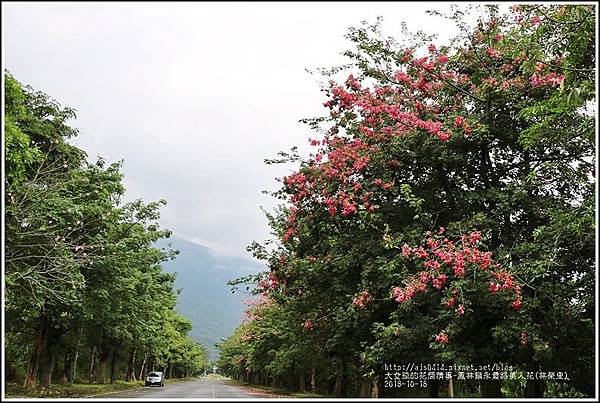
[205,297]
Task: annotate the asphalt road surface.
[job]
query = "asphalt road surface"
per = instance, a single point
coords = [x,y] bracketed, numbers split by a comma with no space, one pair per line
[197,389]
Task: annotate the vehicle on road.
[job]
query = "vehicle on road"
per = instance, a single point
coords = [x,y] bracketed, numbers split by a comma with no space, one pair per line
[155,378]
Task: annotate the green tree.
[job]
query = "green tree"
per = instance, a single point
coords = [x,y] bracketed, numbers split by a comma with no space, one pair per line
[488,143]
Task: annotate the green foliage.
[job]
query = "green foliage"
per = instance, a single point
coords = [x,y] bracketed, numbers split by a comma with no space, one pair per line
[493,133]
[82,269]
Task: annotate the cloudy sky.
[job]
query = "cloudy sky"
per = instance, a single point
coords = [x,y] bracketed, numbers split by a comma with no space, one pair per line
[193,96]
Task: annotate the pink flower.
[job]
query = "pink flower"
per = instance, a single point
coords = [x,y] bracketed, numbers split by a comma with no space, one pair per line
[308,324]
[459,121]
[406,251]
[399,294]
[431,243]
[494,287]
[535,80]
[460,310]
[536,20]
[442,279]
[442,338]
[493,53]
[402,77]
[439,281]
[459,270]
[524,336]
[421,253]
[516,304]
[474,237]
[444,136]
[363,299]
[539,67]
[348,209]
[554,79]
[432,48]
[434,264]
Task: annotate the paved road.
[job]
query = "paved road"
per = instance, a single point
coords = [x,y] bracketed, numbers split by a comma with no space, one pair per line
[200,388]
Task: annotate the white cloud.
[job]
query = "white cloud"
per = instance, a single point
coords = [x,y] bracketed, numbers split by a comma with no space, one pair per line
[193,96]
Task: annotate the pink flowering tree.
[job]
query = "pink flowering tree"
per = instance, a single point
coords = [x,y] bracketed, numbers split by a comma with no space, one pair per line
[421,228]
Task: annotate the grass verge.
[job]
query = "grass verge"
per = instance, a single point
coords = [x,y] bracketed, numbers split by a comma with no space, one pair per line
[14,390]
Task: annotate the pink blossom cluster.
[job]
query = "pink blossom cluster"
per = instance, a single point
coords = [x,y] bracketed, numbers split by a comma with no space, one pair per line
[552,78]
[269,283]
[442,338]
[362,300]
[441,258]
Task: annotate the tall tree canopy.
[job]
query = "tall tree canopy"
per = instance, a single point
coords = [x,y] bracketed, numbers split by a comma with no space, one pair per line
[446,215]
[82,272]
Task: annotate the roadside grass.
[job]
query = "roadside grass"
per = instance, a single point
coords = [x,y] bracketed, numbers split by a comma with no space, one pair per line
[215,377]
[14,390]
[277,392]
[177,380]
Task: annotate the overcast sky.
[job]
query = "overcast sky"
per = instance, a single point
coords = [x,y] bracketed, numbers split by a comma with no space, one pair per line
[193,96]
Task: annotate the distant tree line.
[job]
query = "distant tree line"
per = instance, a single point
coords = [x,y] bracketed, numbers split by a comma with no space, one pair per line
[86,299]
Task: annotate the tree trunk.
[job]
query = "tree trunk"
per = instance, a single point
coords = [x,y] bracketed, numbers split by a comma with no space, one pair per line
[38,348]
[534,387]
[340,388]
[141,377]
[301,381]
[313,384]
[101,371]
[450,388]
[92,373]
[48,358]
[74,362]
[130,375]
[434,388]
[337,389]
[290,379]
[375,387]
[47,368]
[491,388]
[113,365]
[11,372]
[103,362]
[365,387]
[66,375]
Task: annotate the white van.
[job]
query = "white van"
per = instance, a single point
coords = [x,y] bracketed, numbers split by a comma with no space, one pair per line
[155,378]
